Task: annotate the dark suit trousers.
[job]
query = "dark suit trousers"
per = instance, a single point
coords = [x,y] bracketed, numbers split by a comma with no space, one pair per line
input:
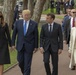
[54,58]
[24,58]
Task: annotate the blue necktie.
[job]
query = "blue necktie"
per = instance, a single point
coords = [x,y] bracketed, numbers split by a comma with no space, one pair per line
[25,28]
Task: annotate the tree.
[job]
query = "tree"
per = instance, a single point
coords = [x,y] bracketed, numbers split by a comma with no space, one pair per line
[47,5]
[31,6]
[1,2]
[38,10]
[8,11]
[25,4]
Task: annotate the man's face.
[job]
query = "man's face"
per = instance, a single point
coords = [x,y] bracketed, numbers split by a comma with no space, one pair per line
[73,13]
[49,19]
[69,11]
[26,16]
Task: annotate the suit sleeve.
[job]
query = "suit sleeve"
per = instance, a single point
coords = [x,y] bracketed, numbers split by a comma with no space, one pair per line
[36,36]
[60,38]
[14,34]
[8,35]
[65,31]
[42,37]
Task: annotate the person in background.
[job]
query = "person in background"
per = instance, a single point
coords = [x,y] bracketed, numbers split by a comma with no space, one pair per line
[66,17]
[71,3]
[16,15]
[67,27]
[51,44]
[26,31]
[4,39]
[58,3]
[66,5]
[72,48]
[52,5]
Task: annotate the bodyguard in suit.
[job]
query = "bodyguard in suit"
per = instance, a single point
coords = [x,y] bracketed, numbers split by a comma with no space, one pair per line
[16,15]
[66,5]
[71,3]
[66,17]
[27,41]
[52,5]
[58,6]
[51,43]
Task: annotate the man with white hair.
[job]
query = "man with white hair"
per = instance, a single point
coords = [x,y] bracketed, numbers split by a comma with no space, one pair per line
[27,41]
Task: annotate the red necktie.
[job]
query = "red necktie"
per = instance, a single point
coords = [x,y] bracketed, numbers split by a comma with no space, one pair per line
[73,22]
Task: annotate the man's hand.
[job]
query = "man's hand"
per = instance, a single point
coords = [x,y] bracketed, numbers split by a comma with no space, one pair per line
[35,50]
[65,41]
[69,55]
[10,48]
[59,51]
[41,50]
[13,47]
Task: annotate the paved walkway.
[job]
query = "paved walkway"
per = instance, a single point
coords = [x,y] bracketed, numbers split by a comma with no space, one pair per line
[38,65]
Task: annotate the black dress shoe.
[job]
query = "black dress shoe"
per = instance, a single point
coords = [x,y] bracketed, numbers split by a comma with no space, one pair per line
[73,68]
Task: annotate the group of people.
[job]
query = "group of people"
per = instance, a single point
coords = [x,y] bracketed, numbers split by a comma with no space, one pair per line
[61,5]
[69,27]
[26,32]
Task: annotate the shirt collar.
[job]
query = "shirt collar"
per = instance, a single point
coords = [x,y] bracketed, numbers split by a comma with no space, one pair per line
[72,18]
[27,21]
[51,23]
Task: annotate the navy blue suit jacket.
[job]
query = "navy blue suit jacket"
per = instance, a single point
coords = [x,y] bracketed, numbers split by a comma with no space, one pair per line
[54,38]
[30,40]
[66,17]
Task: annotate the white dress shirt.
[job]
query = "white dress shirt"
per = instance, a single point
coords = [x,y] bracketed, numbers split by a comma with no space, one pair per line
[51,26]
[71,22]
[27,24]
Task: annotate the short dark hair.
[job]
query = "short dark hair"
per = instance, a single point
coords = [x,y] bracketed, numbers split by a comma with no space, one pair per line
[52,15]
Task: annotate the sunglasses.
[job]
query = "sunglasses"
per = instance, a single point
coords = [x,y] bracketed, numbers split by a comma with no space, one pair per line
[73,12]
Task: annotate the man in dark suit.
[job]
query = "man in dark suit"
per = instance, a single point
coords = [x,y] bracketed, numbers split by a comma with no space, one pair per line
[66,5]
[66,17]
[71,3]
[27,41]
[16,15]
[58,3]
[51,43]
[52,5]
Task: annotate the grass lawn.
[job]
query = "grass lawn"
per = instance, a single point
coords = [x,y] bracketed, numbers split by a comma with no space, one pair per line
[59,16]
[48,11]
[13,57]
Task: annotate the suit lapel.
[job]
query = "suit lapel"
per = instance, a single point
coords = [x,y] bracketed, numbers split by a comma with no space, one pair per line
[47,28]
[21,26]
[53,27]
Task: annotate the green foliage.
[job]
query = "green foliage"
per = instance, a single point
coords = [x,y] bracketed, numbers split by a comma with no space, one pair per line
[48,11]
[59,16]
